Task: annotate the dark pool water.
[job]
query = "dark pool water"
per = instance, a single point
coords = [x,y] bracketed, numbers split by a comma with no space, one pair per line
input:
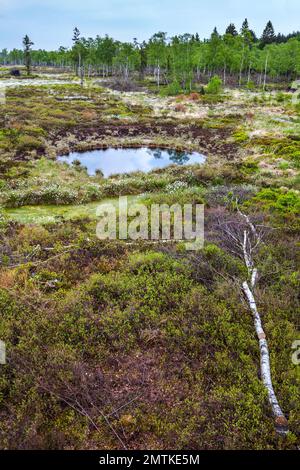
[126,160]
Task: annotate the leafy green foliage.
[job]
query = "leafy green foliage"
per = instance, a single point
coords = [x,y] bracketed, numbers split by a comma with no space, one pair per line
[107,323]
[214,87]
[277,200]
[150,330]
[172,89]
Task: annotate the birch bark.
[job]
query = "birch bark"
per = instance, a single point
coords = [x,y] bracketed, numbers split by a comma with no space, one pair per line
[281,422]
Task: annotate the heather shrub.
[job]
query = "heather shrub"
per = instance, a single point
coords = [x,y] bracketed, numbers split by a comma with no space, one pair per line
[48,195]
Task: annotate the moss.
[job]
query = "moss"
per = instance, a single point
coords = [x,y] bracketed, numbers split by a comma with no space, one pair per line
[49,214]
[288,148]
[240,136]
[73,308]
[250,166]
[27,142]
[213,99]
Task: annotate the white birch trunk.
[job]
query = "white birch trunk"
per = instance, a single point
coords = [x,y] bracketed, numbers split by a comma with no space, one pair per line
[81,75]
[241,67]
[249,73]
[281,422]
[266,69]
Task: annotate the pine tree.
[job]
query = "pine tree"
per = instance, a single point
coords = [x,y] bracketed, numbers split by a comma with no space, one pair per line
[76,35]
[268,36]
[27,44]
[77,49]
[215,32]
[231,29]
[245,26]
[247,34]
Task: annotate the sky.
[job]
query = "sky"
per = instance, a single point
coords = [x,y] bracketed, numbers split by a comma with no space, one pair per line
[50,23]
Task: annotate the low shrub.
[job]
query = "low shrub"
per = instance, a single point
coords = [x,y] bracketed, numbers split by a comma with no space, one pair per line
[249,166]
[223,195]
[251,85]
[27,142]
[179,108]
[181,195]
[279,200]
[194,96]
[214,86]
[172,89]
[280,97]
[92,192]
[49,195]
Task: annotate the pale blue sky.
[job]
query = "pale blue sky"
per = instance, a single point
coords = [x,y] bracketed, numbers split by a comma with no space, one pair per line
[50,22]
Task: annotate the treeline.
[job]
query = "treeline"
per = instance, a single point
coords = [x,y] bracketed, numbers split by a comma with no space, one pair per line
[235,56]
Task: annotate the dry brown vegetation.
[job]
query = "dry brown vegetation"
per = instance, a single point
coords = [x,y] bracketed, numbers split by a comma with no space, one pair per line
[139,346]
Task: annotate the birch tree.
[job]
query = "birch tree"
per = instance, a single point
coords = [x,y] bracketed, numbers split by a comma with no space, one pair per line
[243,239]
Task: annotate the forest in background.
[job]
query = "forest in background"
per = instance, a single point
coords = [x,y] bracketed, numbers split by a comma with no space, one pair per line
[115,344]
[237,57]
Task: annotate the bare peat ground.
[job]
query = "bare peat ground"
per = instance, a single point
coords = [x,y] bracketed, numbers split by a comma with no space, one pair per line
[146,346]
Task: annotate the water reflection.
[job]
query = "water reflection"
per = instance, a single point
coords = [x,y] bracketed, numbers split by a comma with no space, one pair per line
[180,158]
[112,161]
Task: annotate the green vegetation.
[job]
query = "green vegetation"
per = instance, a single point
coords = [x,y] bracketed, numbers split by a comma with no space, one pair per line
[27,43]
[172,89]
[115,344]
[279,200]
[73,306]
[214,86]
[240,57]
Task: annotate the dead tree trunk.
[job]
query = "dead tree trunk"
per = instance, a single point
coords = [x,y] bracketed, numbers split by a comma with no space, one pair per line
[242,238]
[250,241]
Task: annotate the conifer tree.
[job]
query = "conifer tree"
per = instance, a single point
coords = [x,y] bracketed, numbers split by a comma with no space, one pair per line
[268,35]
[77,49]
[27,44]
[76,35]
[245,26]
[231,29]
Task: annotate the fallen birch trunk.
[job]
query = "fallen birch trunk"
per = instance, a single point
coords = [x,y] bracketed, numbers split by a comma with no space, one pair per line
[281,422]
